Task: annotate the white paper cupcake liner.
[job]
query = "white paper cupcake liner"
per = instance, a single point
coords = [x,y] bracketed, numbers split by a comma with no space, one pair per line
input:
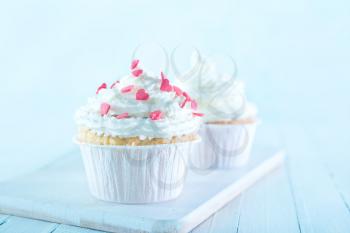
[135,174]
[223,146]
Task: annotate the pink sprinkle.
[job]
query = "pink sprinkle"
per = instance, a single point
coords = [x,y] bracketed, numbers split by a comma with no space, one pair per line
[104,109]
[197,114]
[127,89]
[141,94]
[156,115]
[113,85]
[165,85]
[134,64]
[186,96]
[137,73]
[194,105]
[122,116]
[177,90]
[103,86]
[183,103]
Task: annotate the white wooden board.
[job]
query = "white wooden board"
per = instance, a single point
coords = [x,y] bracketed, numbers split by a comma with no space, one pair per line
[59,193]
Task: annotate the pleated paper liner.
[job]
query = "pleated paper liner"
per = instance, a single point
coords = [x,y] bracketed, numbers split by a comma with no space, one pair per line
[136,174]
[223,146]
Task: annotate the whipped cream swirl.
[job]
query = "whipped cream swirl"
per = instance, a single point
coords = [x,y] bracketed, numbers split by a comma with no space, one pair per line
[140,105]
[220,96]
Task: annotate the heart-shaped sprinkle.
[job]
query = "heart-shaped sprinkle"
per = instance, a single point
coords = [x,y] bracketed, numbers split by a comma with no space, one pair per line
[104,109]
[186,96]
[113,85]
[177,91]
[141,94]
[134,64]
[194,105]
[197,114]
[156,115]
[165,85]
[103,86]
[122,116]
[127,89]
[183,103]
[187,99]
[137,73]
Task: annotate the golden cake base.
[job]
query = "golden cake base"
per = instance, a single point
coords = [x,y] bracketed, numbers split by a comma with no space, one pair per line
[88,136]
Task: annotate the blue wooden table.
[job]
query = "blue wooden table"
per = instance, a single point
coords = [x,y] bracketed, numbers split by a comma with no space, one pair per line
[310,193]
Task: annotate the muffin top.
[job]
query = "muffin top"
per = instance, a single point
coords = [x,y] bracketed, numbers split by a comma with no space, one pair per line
[140,105]
[220,96]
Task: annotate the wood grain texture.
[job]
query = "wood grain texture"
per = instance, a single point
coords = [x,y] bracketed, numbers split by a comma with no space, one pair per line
[225,220]
[335,158]
[3,218]
[24,225]
[204,227]
[72,229]
[319,206]
[268,206]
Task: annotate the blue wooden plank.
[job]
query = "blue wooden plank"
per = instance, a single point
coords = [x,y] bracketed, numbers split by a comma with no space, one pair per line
[339,173]
[228,218]
[335,157]
[72,229]
[268,206]
[24,225]
[319,206]
[3,218]
[225,220]
[204,227]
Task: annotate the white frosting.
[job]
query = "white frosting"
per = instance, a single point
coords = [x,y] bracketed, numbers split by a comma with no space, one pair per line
[176,121]
[220,97]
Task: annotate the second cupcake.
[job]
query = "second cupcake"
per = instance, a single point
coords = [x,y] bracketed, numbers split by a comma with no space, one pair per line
[229,123]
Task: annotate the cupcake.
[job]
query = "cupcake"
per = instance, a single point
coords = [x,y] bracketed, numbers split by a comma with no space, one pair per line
[229,122]
[134,137]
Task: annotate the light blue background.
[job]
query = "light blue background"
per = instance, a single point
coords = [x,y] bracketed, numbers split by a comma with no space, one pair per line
[294,56]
